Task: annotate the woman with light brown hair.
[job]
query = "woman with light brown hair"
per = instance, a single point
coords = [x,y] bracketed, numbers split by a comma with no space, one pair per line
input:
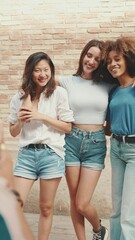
[86,143]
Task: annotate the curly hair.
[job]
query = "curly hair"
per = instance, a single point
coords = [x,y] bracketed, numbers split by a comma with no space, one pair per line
[124,45]
[28,86]
[91,43]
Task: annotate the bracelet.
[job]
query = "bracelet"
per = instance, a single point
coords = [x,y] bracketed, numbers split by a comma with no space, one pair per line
[2,146]
[18,197]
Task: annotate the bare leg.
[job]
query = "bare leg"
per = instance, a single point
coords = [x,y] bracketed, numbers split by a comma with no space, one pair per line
[48,190]
[24,225]
[86,187]
[73,178]
[23,186]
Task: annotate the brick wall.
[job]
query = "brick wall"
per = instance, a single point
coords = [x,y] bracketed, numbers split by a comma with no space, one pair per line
[59,27]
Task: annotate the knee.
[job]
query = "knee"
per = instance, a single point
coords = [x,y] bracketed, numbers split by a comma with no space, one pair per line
[77,205]
[46,209]
[81,206]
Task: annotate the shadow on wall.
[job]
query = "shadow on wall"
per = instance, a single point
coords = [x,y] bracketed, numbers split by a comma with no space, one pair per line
[101,199]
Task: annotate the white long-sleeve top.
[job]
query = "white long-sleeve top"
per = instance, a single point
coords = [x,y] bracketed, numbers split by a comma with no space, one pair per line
[57,107]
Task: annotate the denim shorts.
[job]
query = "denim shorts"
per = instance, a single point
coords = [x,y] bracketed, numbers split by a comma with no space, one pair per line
[85,148]
[41,163]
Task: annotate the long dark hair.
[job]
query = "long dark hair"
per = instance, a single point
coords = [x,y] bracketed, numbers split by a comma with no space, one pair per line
[28,86]
[92,43]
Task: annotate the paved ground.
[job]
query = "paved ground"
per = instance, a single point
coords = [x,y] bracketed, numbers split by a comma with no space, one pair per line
[62,228]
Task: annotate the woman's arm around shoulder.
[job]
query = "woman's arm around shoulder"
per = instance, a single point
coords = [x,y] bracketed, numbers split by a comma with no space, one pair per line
[64,115]
[65,118]
[63,81]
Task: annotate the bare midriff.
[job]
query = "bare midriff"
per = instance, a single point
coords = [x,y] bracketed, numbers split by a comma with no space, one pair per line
[89,127]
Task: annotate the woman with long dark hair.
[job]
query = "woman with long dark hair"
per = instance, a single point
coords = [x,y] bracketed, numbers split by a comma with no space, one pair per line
[40,113]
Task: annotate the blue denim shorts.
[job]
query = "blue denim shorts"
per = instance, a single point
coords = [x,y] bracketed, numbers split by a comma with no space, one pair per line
[41,163]
[85,148]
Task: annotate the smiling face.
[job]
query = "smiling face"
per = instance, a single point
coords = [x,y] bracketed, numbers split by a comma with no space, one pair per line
[116,64]
[91,62]
[41,74]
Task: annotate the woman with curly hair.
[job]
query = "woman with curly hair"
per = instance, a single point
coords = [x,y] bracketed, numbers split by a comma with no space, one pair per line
[119,58]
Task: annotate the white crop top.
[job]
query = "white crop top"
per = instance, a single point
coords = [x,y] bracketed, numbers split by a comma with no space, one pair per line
[87,99]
